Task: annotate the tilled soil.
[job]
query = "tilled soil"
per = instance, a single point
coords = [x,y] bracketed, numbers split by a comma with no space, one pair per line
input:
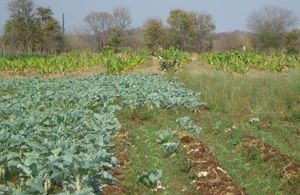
[210,177]
[287,167]
[118,171]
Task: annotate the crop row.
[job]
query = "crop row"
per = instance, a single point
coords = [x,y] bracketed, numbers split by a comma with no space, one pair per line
[170,60]
[56,136]
[241,62]
[66,62]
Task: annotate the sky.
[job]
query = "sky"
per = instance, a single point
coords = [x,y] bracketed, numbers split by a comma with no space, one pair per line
[229,15]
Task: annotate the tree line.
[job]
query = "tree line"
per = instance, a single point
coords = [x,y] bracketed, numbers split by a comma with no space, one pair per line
[30,28]
[34,29]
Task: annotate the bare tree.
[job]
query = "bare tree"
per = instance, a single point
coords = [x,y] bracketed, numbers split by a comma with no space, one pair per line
[21,9]
[202,29]
[101,24]
[121,18]
[121,22]
[78,39]
[235,40]
[109,28]
[270,24]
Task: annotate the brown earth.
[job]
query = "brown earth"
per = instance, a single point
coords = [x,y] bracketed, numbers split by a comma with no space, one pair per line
[118,171]
[210,177]
[286,166]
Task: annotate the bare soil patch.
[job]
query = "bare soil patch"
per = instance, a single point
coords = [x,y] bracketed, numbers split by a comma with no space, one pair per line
[118,171]
[211,178]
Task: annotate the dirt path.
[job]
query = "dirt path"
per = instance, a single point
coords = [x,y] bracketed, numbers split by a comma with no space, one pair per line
[118,171]
[210,177]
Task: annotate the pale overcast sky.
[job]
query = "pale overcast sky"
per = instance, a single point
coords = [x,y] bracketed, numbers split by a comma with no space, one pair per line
[229,15]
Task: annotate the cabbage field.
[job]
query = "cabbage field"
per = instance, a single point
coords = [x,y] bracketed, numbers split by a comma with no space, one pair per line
[56,135]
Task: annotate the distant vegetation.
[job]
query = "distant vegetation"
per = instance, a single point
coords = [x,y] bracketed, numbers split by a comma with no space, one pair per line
[169,60]
[241,62]
[71,61]
[31,28]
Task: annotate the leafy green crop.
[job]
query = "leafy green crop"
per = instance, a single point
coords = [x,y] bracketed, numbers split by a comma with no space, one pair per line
[163,136]
[170,148]
[56,136]
[66,62]
[240,62]
[150,178]
[172,59]
[118,63]
[187,124]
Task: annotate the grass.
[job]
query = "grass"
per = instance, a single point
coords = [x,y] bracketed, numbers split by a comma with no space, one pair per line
[146,154]
[233,100]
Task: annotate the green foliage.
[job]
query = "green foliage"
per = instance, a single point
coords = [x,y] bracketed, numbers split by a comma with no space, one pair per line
[187,124]
[180,20]
[117,63]
[116,39]
[66,62]
[150,178]
[233,100]
[190,31]
[58,133]
[153,34]
[32,30]
[50,63]
[170,148]
[241,62]
[292,40]
[171,59]
[165,135]
[146,154]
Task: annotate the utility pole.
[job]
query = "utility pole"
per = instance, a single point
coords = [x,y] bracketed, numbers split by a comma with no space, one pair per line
[63,32]
[63,23]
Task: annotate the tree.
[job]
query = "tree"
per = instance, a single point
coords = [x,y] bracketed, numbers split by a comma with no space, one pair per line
[21,28]
[22,9]
[29,29]
[269,26]
[121,18]
[202,29]
[180,23]
[51,38]
[191,30]
[101,24]
[153,34]
[120,23]
[292,41]
[109,28]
